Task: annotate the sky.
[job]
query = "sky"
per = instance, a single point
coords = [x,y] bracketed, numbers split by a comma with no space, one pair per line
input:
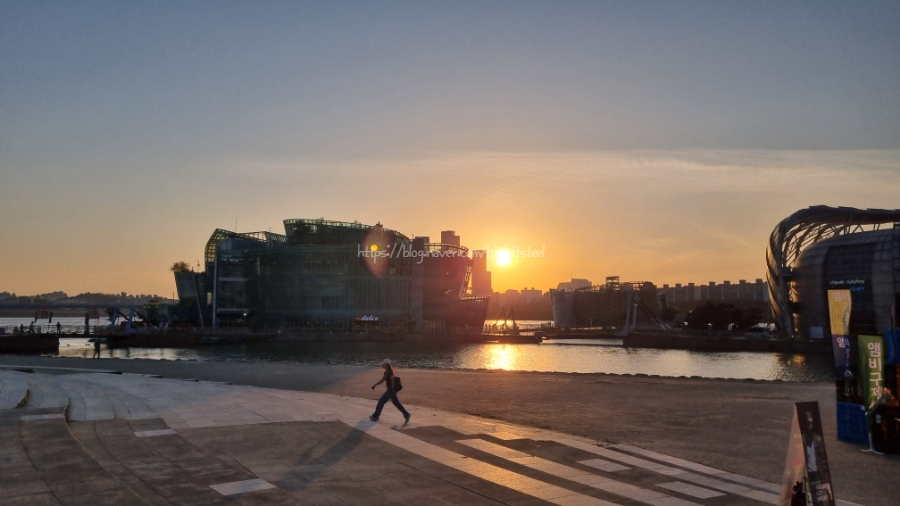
[657,141]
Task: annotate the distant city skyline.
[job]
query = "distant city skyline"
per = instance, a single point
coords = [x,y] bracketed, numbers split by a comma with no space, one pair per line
[572,284]
[645,140]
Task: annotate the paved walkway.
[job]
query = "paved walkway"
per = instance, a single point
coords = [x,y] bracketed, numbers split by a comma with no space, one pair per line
[97,439]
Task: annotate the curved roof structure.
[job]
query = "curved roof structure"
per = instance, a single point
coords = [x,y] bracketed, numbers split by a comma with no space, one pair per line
[209,252]
[300,231]
[801,229]
[321,231]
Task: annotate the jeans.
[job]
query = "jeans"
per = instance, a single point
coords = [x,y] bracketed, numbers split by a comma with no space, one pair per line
[384,398]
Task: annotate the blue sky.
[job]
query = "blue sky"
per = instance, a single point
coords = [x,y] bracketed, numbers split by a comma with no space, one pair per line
[130,129]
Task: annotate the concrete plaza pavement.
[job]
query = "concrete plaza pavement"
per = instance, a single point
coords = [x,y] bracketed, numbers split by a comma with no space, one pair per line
[492,394]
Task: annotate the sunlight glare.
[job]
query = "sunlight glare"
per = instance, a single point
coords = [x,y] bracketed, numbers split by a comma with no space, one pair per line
[504,357]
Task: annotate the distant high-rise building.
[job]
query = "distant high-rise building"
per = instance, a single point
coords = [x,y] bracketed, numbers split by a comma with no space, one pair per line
[481,277]
[613,283]
[575,284]
[508,299]
[724,291]
[527,296]
[449,237]
[682,293]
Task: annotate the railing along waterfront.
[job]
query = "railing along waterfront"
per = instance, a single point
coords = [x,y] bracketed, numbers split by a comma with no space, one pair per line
[106,330]
[51,328]
[488,328]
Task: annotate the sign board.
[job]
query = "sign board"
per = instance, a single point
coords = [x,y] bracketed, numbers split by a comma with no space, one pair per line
[871,367]
[840,303]
[807,479]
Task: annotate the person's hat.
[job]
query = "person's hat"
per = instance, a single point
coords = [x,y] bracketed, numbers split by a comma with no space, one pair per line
[387,361]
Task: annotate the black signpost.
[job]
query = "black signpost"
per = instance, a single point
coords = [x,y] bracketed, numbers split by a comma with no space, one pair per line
[807,480]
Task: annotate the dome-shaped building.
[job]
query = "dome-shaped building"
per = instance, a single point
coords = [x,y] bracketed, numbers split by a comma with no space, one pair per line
[866,263]
[824,248]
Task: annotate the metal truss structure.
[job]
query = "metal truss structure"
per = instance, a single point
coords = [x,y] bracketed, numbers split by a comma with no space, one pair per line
[209,252]
[800,230]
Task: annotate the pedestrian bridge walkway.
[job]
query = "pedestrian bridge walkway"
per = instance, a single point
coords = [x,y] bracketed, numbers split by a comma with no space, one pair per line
[73,438]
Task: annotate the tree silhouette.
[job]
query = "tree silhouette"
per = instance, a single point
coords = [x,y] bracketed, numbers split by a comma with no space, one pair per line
[180,267]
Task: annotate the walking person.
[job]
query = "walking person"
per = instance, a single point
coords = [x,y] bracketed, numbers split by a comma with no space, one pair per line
[388,379]
[96,348]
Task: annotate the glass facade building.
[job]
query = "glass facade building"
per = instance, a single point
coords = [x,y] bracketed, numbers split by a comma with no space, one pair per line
[334,275]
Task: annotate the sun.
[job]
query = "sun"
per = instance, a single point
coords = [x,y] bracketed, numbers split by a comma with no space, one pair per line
[504,257]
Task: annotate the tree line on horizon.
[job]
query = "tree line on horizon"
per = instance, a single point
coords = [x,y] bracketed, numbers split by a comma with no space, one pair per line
[87,297]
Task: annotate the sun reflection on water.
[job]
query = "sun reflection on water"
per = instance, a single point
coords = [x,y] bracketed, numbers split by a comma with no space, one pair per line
[502,356]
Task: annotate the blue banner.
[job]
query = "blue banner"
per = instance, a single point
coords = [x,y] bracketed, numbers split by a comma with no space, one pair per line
[892,345]
[840,345]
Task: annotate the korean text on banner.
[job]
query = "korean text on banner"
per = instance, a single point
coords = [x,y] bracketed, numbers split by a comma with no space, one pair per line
[840,303]
[871,366]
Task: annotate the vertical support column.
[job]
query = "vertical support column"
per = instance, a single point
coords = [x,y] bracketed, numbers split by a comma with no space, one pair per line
[787,317]
[130,325]
[215,317]
[634,310]
[627,329]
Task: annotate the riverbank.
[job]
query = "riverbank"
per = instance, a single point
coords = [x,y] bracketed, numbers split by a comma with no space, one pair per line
[581,356]
[716,343]
[737,425]
[44,342]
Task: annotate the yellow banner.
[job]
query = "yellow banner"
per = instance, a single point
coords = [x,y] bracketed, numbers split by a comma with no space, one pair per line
[839,303]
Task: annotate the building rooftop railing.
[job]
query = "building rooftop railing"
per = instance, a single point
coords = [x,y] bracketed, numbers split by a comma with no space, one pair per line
[437,246]
[327,223]
[627,286]
[322,231]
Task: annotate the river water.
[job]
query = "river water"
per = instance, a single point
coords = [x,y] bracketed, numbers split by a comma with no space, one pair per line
[583,356]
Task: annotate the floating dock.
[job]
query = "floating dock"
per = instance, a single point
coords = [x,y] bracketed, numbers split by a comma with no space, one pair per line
[29,343]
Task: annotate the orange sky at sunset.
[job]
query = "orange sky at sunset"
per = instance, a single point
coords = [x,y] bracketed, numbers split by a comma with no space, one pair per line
[667,217]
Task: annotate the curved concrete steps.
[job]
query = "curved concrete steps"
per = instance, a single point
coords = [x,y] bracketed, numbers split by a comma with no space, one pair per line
[166,466]
[118,448]
[124,402]
[97,403]
[42,463]
[120,435]
[13,390]
[44,392]
[85,399]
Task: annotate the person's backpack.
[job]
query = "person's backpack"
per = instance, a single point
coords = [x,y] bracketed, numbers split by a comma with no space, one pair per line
[397,385]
